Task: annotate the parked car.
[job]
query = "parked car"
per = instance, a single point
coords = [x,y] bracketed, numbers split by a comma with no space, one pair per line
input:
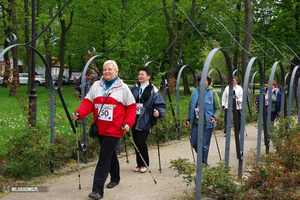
[1,80]
[23,79]
[65,80]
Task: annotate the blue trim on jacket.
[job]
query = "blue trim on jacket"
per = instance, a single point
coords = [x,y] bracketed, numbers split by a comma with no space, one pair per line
[143,122]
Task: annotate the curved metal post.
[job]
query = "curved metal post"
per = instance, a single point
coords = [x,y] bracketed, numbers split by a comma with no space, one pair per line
[177,89]
[243,114]
[237,70]
[82,96]
[291,89]
[251,97]
[262,107]
[298,93]
[50,83]
[271,78]
[201,115]
[278,80]
[284,110]
[222,84]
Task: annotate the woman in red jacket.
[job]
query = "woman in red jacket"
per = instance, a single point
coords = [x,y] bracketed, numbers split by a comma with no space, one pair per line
[115,117]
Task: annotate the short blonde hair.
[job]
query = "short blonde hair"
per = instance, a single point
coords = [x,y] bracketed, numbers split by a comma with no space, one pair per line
[115,66]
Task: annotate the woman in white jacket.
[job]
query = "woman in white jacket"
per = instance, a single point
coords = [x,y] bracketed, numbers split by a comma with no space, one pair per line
[239,99]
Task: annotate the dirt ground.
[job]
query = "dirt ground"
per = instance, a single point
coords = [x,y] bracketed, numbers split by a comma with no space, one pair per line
[135,185]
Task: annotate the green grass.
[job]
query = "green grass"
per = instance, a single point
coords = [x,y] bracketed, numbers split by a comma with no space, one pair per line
[13,118]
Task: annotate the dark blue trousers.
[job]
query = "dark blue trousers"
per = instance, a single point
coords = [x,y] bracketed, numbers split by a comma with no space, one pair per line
[206,140]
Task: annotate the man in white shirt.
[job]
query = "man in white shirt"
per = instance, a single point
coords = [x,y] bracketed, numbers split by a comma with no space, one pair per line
[239,99]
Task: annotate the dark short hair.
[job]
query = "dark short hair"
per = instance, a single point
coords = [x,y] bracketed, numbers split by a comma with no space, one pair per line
[146,69]
[208,78]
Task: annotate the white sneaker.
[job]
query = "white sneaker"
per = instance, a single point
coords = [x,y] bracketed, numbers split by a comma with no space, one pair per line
[143,169]
[136,169]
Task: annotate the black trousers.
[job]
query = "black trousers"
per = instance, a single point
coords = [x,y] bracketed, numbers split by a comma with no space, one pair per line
[239,119]
[107,163]
[140,139]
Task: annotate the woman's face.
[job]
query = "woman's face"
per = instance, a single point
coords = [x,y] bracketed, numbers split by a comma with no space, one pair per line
[109,72]
[143,77]
[234,82]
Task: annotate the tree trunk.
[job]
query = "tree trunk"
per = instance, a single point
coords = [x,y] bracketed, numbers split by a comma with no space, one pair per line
[15,80]
[237,33]
[177,46]
[64,30]
[247,38]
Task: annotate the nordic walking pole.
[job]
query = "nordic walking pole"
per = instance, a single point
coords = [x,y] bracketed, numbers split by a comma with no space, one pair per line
[140,155]
[126,150]
[191,145]
[217,143]
[76,125]
[158,149]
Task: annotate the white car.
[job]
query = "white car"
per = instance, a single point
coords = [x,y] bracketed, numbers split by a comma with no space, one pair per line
[23,78]
[1,80]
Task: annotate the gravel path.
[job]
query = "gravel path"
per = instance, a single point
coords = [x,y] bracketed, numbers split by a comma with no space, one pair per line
[136,186]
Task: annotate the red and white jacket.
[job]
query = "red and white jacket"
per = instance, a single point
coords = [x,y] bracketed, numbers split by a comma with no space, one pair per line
[120,105]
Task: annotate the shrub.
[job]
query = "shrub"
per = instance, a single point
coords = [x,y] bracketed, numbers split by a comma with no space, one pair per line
[218,179]
[278,175]
[26,154]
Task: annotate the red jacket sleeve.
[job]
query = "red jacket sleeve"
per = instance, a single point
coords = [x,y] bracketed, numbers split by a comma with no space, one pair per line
[130,114]
[85,108]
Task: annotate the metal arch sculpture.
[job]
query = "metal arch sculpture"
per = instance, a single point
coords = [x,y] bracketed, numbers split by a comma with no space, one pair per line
[50,83]
[201,115]
[222,84]
[86,67]
[239,71]
[298,92]
[177,91]
[291,88]
[271,78]
[285,92]
[251,97]
[83,95]
[261,108]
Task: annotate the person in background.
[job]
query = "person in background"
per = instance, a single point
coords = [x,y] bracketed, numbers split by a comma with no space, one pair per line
[276,100]
[112,102]
[89,76]
[212,109]
[150,106]
[239,99]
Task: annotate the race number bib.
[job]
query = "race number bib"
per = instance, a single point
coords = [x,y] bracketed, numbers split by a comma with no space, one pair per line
[106,113]
[139,108]
[197,113]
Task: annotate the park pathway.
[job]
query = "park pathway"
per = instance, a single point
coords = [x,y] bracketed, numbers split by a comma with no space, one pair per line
[136,186]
